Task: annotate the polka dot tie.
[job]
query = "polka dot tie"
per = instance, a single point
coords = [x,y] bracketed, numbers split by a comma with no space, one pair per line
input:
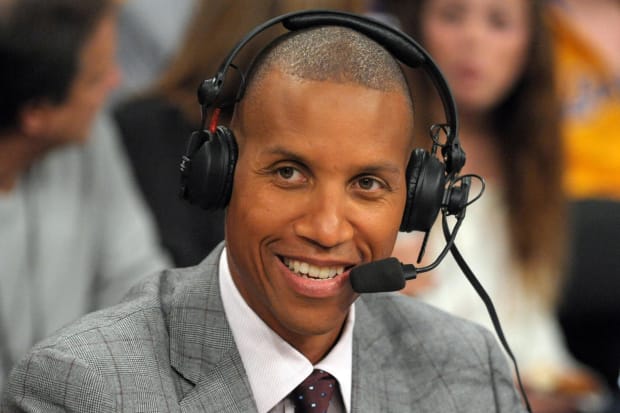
[314,393]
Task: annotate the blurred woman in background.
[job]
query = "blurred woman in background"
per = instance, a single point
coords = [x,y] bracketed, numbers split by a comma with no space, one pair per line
[497,58]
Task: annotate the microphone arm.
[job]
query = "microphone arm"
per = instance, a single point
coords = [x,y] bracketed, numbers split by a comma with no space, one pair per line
[390,274]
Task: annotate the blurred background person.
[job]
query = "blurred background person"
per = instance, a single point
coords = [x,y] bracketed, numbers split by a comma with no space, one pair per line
[497,58]
[586,37]
[74,233]
[149,34]
[156,124]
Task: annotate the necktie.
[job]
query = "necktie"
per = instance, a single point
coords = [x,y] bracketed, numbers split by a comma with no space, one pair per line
[314,393]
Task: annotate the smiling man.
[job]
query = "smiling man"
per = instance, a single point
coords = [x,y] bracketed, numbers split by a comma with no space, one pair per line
[324,139]
[326,180]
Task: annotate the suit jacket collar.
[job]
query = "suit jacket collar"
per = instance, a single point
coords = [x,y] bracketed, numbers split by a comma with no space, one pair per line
[203,351]
[202,348]
[370,344]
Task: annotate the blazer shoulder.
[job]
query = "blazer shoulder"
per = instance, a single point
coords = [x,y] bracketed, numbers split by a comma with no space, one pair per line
[119,357]
[109,360]
[447,360]
[138,317]
[411,321]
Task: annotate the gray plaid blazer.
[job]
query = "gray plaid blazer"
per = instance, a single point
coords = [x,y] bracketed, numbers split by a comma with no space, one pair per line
[168,348]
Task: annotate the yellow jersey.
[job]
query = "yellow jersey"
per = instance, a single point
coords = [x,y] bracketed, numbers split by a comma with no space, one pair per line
[590,93]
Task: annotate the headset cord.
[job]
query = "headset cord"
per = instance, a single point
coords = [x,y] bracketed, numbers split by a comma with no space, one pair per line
[489,305]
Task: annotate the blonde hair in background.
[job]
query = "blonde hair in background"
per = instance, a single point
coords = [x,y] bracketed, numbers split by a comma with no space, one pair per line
[527,125]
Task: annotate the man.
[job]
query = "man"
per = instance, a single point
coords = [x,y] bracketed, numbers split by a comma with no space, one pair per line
[73,233]
[324,137]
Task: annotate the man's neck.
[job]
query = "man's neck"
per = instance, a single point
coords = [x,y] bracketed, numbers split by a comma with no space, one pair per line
[17,154]
[314,348]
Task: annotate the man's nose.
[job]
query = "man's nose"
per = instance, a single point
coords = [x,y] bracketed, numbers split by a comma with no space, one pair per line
[326,221]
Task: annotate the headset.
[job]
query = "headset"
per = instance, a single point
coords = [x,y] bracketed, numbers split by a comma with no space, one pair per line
[207,168]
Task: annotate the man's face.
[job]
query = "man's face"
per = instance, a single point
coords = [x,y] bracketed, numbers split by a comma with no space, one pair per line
[97,75]
[319,188]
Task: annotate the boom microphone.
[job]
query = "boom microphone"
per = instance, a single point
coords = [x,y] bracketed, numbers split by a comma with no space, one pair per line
[390,274]
[381,276]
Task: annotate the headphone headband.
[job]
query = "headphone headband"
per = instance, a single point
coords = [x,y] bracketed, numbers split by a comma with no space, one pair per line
[207,169]
[398,44]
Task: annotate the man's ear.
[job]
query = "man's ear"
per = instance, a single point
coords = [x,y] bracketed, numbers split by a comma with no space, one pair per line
[34,118]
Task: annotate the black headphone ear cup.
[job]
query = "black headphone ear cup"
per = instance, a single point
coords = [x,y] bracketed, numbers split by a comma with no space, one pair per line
[209,177]
[228,162]
[426,184]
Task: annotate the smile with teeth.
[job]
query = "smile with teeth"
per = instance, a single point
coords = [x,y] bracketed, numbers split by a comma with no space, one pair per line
[312,271]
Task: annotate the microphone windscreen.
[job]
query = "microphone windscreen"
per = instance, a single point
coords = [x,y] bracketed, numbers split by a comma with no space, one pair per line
[378,276]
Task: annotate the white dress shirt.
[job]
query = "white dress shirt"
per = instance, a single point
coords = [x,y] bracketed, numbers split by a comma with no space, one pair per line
[273,366]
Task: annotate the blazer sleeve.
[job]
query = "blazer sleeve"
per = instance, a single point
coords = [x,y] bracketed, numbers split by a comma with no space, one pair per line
[51,381]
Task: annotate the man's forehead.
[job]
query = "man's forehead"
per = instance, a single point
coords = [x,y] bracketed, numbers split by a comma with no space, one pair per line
[296,115]
[277,79]
[315,109]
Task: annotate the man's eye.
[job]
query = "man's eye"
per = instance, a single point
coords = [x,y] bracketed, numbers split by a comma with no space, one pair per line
[369,184]
[286,172]
[289,175]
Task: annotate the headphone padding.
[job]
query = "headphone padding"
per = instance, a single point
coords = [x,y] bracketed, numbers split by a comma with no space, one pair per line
[210,177]
[229,161]
[412,174]
[426,183]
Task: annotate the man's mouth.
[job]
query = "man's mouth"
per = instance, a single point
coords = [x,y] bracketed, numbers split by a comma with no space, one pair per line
[311,271]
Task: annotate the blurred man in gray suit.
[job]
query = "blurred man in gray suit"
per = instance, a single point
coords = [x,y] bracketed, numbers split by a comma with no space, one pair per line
[318,150]
[75,234]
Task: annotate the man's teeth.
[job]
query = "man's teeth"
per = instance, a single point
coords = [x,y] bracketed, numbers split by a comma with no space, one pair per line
[312,271]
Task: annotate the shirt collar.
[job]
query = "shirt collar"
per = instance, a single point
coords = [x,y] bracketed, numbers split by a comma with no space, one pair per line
[267,358]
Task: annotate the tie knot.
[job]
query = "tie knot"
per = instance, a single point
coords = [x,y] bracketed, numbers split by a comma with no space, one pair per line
[314,393]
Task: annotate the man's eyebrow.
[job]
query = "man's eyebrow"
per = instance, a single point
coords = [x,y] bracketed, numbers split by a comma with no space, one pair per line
[278,150]
[382,167]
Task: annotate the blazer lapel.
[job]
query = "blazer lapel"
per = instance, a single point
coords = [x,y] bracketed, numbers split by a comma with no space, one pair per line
[369,381]
[223,388]
[202,348]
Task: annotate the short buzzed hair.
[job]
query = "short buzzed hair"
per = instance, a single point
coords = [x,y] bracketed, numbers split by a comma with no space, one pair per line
[331,53]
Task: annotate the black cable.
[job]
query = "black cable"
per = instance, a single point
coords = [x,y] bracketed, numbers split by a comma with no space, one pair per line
[487,302]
